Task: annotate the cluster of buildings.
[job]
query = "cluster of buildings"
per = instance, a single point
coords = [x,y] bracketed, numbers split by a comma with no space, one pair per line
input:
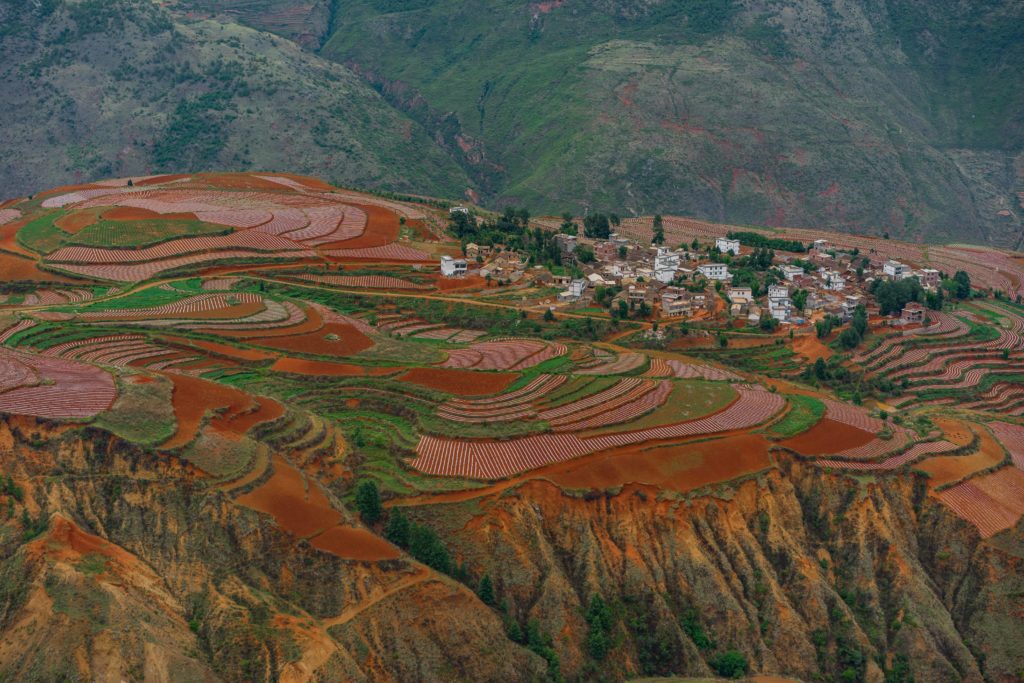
[680,283]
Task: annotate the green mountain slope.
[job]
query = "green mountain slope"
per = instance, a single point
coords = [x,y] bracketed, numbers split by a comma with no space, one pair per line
[903,115]
[104,88]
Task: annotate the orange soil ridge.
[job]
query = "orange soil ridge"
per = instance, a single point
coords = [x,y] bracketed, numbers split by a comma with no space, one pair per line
[302,509]
[950,469]
[349,341]
[301,366]
[828,436]
[460,382]
[192,398]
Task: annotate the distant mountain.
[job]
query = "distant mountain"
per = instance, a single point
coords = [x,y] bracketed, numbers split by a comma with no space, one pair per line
[899,116]
[104,88]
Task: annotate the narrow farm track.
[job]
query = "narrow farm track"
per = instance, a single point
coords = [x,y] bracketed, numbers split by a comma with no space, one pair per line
[422,574]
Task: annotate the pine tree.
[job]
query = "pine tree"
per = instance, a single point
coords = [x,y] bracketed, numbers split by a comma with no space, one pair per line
[486,590]
[368,502]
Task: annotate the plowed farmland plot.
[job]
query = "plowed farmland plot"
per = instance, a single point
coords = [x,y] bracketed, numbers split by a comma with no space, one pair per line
[496,459]
[52,387]
[1012,437]
[991,503]
[460,382]
[232,412]
[944,470]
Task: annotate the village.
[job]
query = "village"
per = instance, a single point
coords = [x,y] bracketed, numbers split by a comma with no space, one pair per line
[732,279]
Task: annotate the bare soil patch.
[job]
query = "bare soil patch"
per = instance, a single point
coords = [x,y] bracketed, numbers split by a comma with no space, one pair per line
[679,467]
[460,382]
[297,503]
[828,436]
[953,468]
[352,543]
[301,366]
[333,339]
[382,227]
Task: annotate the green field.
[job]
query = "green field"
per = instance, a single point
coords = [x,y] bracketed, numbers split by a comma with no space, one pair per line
[804,413]
[689,400]
[142,233]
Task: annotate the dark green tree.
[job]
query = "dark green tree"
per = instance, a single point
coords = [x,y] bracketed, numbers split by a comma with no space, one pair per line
[368,502]
[486,591]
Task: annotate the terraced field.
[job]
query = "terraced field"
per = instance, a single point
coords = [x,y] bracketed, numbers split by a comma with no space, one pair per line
[301,345]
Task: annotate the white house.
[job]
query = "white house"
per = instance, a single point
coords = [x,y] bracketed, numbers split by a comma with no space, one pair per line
[453,267]
[740,294]
[832,280]
[727,246]
[791,272]
[457,209]
[575,291]
[666,263]
[895,269]
[714,271]
[779,303]
[820,245]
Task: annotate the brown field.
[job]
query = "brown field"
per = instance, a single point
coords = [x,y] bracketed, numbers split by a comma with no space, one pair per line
[679,467]
[350,341]
[9,241]
[460,382]
[298,505]
[17,268]
[237,181]
[301,366]
[352,543]
[224,349]
[382,228]
[447,284]
[953,468]
[828,436]
[194,397]
[75,221]
[955,431]
[130,213]
[811,348]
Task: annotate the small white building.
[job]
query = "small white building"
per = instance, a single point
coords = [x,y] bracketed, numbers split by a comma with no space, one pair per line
[779,304]
[740,294]
[895,269]
[820,245]
[792,272]
[453,267]
[457,209]
[850,304]
[833,280]
[727,246]
[575,291]
[714,271]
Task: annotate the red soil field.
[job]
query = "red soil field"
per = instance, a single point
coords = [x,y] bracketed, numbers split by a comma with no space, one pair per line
[224,349]
[460,382]
[681,467]
[193,397]
[9,241]
[300,366]
[129,213]
[17,268]
[953,468]
[236,181]
[73,222]
[955,431]
[810,347]
[351,543]
[299,507]
[350,341]
[447,284]
[828,436]
[161,179]
[382,228]
[312,323]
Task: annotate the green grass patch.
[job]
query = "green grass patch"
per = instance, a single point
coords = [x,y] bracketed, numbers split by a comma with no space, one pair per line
[689,400]
[804,413]
[144,298]
[142,233]
[42,235]
[576,388]
[142,413]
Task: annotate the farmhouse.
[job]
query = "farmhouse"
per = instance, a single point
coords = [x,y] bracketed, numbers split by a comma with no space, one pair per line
[895,270]
[929,278]
[779,303]
[792,272]
[453,267]
[832,280]
[714,271]
[912,313]
[575,291]
[727,246]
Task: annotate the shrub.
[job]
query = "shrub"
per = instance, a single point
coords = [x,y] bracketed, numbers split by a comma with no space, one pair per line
[368,502]
[730,664]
